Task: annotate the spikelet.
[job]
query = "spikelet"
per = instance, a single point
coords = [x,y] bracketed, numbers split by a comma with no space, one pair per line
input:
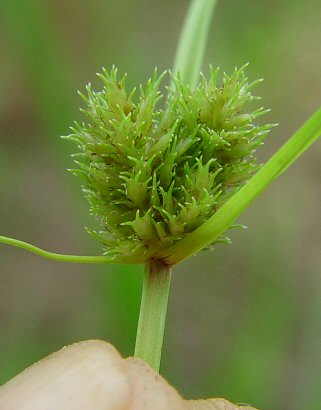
[153,175]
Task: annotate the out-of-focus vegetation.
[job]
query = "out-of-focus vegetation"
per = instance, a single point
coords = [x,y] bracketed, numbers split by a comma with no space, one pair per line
[244,319]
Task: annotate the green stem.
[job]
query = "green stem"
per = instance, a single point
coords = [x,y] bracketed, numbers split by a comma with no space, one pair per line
[188,62]
[152,316]
[226,215]
[192,42]
[60,257]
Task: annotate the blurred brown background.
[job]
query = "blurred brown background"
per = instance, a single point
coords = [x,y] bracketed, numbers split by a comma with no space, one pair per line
[244,320]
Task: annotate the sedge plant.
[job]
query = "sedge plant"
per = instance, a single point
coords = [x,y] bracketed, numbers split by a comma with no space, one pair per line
[168,175]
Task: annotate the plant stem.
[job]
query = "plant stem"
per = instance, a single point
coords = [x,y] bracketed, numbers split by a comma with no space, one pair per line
[192,42]
[152,316]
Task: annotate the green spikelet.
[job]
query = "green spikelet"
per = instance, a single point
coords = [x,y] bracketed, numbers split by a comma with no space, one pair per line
[154,175]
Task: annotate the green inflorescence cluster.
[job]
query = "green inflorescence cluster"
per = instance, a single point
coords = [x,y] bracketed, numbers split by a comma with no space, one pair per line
[153,175]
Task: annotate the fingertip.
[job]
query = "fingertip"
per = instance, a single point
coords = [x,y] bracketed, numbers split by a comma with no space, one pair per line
[84,375]
[150,390]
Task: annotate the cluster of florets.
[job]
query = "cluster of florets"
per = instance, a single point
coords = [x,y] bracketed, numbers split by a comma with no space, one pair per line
[153,175]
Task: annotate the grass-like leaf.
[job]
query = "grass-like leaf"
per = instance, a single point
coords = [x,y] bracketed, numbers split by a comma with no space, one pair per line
[227,214]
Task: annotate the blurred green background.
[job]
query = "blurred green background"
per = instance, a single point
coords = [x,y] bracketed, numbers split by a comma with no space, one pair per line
[244,320]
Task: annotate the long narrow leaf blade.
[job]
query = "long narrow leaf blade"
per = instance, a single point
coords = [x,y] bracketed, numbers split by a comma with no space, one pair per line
[61,257]
[192,42]
[227,214]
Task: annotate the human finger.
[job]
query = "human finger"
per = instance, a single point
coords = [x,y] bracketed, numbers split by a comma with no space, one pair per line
[86,375]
